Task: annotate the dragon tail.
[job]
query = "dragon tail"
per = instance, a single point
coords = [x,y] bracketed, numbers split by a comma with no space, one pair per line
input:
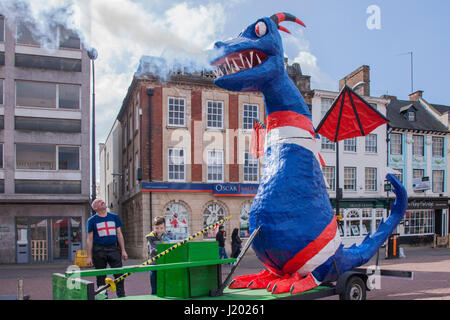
[356,256]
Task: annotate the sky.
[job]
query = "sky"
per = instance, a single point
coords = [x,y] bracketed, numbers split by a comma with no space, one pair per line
[340,36]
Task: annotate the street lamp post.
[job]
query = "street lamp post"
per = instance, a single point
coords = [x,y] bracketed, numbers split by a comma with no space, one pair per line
[93,54]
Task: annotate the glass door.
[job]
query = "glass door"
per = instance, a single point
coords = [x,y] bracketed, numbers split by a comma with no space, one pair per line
[22,246]
[39,239]
[60,239]
[75,236]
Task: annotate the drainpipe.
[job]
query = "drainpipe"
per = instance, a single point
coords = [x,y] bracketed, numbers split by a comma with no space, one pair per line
[150,95]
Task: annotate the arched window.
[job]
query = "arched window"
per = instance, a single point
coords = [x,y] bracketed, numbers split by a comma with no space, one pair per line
[244,219]
[212,213]
[177,221]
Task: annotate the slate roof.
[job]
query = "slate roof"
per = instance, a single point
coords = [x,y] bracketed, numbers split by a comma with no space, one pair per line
[424,120]
[441,108]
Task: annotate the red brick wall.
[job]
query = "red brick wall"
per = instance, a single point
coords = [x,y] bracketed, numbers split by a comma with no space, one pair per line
[362,74]
[156,135]
[233,123]
[196,136]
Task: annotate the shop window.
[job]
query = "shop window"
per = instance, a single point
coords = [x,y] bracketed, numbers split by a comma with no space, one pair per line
[47,187]
[214,115]
[177,112]
[250,116]
[352,220]
[36,157]
[251,169]
[213,213]
[396,143]
[49,63]
[176,164]
[177,221]
[215,166]
[438,147]
[47,125]
[419,222]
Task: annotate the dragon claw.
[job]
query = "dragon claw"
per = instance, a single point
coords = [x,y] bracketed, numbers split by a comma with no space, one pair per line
[253,281]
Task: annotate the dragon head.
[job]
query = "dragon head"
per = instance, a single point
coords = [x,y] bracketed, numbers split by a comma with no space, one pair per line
[254,57]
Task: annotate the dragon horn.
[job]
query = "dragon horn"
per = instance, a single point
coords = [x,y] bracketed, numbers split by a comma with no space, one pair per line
[283,29]
[283,16]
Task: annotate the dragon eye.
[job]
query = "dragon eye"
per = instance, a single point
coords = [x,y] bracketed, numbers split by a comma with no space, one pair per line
[261,29]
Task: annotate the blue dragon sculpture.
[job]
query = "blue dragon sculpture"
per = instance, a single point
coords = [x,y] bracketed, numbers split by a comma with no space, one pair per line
[298,243]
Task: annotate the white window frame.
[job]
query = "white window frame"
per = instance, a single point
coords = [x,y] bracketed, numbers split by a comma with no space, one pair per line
[438,147]
[169,105]
[251,164]
[347,178]
[423,218]
[371,143]
[396,147]
[329,173]
[136,116]
[418,145]
[371,179]
[175,161]
[247,122]
[438,181]
[214,114]
[212,165]
[350,145]
[327,144]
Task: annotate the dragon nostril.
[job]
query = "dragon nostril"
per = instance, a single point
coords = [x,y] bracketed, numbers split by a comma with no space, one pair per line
[219,44]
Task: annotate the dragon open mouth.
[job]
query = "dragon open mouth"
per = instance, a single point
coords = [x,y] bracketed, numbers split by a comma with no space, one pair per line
[238,61]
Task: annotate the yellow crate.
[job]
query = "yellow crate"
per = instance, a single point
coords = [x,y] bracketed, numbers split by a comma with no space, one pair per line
[81,258]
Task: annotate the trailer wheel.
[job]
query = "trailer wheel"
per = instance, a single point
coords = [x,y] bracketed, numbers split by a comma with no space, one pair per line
[355,289]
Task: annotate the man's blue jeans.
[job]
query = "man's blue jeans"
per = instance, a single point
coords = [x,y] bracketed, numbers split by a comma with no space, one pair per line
[222,253]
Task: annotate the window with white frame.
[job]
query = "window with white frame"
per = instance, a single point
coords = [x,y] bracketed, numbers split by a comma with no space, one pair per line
[330,176]
[418,173]
[176,163]
[215,170]
[419,222]
[136,167]
[396,143]
[251,168]
[350,145]
[371,179]
[212,213]
[438,181]
[438,147]
[130,167]
[350,178]
[136,116]
[250,115]
[411,116]
[214,115]
[399,175]
[177,112]
[327,144]
[371,143]
[418,145]
[177,221]
[130,127]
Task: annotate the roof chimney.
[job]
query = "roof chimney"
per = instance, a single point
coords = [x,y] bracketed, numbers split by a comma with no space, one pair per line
[358,80]
[415,95]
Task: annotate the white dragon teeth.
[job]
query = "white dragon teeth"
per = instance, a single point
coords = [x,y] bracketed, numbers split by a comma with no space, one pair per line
[233,67]
[251,58]
[242,60]
[259,60]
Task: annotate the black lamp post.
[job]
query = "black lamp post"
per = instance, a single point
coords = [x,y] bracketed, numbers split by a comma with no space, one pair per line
[93,54]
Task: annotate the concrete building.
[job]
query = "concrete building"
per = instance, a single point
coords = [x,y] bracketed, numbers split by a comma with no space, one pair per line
[185,154]
[362,167]
[44,144]
[418,149]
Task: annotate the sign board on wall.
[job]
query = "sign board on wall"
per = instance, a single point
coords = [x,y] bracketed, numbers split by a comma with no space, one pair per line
[421,184]
[217,189]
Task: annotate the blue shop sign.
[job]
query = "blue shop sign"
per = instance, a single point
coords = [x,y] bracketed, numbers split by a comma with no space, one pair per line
[217,189]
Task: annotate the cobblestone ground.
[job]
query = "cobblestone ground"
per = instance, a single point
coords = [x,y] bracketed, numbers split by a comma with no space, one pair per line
[431,269]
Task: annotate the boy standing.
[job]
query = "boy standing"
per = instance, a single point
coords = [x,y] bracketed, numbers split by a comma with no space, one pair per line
[158,235]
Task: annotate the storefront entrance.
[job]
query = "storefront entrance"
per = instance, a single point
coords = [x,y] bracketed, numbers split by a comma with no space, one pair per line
[40,240]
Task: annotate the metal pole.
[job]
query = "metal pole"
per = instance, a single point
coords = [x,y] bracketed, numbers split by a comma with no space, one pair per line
[93,54]
[338,193]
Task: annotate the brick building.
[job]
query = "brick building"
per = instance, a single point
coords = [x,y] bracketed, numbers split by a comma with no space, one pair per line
[185,154]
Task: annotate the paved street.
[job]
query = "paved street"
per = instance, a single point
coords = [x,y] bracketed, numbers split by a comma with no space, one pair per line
[431,269]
